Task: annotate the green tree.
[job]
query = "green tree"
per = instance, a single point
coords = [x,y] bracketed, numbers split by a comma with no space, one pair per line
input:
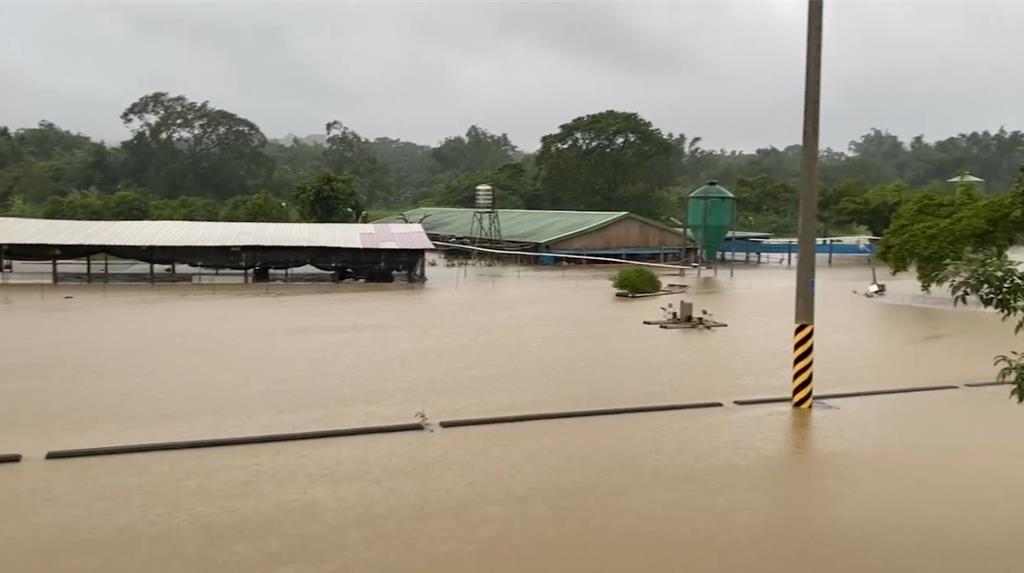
[350,154]
[411,168]
[935,229]
[126,205]
[515,189]
[294,163]
[76,205]
[477,150]
[262,207]
[830,215]
[873,209]
[636,280]
[179,147]
[959,240]
[185,209]
[611,160]
[997,283]
[328,198]
[766,204]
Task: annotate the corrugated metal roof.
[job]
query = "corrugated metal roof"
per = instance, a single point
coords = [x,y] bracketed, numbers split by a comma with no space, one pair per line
[519,225]
[18,231]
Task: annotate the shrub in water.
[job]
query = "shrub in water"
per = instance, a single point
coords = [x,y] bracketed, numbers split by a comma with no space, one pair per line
[636,280]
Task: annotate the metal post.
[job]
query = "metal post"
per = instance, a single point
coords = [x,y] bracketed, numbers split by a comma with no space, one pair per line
[830,243]
[245,268]
[106,268]
[704,229]
[152,273]
[803,337]
[88,269]
[54,264]
[732,264]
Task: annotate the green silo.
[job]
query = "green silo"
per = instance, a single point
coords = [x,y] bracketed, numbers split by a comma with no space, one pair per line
[711,211]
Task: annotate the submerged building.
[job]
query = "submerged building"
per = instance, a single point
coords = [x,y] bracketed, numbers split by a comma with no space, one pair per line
[372,252]
[614,234]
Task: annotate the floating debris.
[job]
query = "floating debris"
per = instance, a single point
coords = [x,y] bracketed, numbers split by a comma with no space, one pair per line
[683,318]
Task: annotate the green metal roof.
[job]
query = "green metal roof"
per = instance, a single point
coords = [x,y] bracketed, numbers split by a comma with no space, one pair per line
[520,225]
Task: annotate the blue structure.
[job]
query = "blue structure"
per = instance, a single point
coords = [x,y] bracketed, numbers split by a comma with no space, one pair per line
[864,246]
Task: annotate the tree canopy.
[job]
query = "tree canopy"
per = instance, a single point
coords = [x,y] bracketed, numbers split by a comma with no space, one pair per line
[190,159]
[606,161]
[179,147]
[329,198]
[960,242]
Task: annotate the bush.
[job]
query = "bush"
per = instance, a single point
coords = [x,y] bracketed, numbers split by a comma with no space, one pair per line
[636,280]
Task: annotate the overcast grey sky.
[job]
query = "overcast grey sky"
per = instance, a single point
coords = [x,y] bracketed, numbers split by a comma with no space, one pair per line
[731,72]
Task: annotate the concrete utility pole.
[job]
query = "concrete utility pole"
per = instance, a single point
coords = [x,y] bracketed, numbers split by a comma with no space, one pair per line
[803,338]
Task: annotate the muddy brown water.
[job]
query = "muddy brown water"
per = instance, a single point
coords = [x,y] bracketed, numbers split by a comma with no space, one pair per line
[915,482]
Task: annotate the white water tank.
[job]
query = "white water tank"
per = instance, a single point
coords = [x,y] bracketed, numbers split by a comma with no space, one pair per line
[484,196]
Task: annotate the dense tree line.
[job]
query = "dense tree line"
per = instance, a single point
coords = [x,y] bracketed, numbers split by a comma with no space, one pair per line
[191,160]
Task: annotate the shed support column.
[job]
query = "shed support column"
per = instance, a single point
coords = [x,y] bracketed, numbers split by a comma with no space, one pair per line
[245,268]
[152,272]
[106,268]
[88,269]
[53,263]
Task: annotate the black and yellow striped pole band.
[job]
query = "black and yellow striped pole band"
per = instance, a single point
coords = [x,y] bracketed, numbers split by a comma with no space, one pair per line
[803,366]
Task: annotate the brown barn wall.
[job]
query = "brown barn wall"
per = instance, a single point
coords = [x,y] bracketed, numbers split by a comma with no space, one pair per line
[624,233]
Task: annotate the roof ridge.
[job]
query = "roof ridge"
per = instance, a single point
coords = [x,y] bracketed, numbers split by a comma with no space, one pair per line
[525,210]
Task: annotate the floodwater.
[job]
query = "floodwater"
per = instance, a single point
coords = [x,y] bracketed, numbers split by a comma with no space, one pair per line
[924,482]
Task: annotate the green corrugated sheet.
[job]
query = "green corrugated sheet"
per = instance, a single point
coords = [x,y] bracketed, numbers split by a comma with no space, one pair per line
[518,225]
